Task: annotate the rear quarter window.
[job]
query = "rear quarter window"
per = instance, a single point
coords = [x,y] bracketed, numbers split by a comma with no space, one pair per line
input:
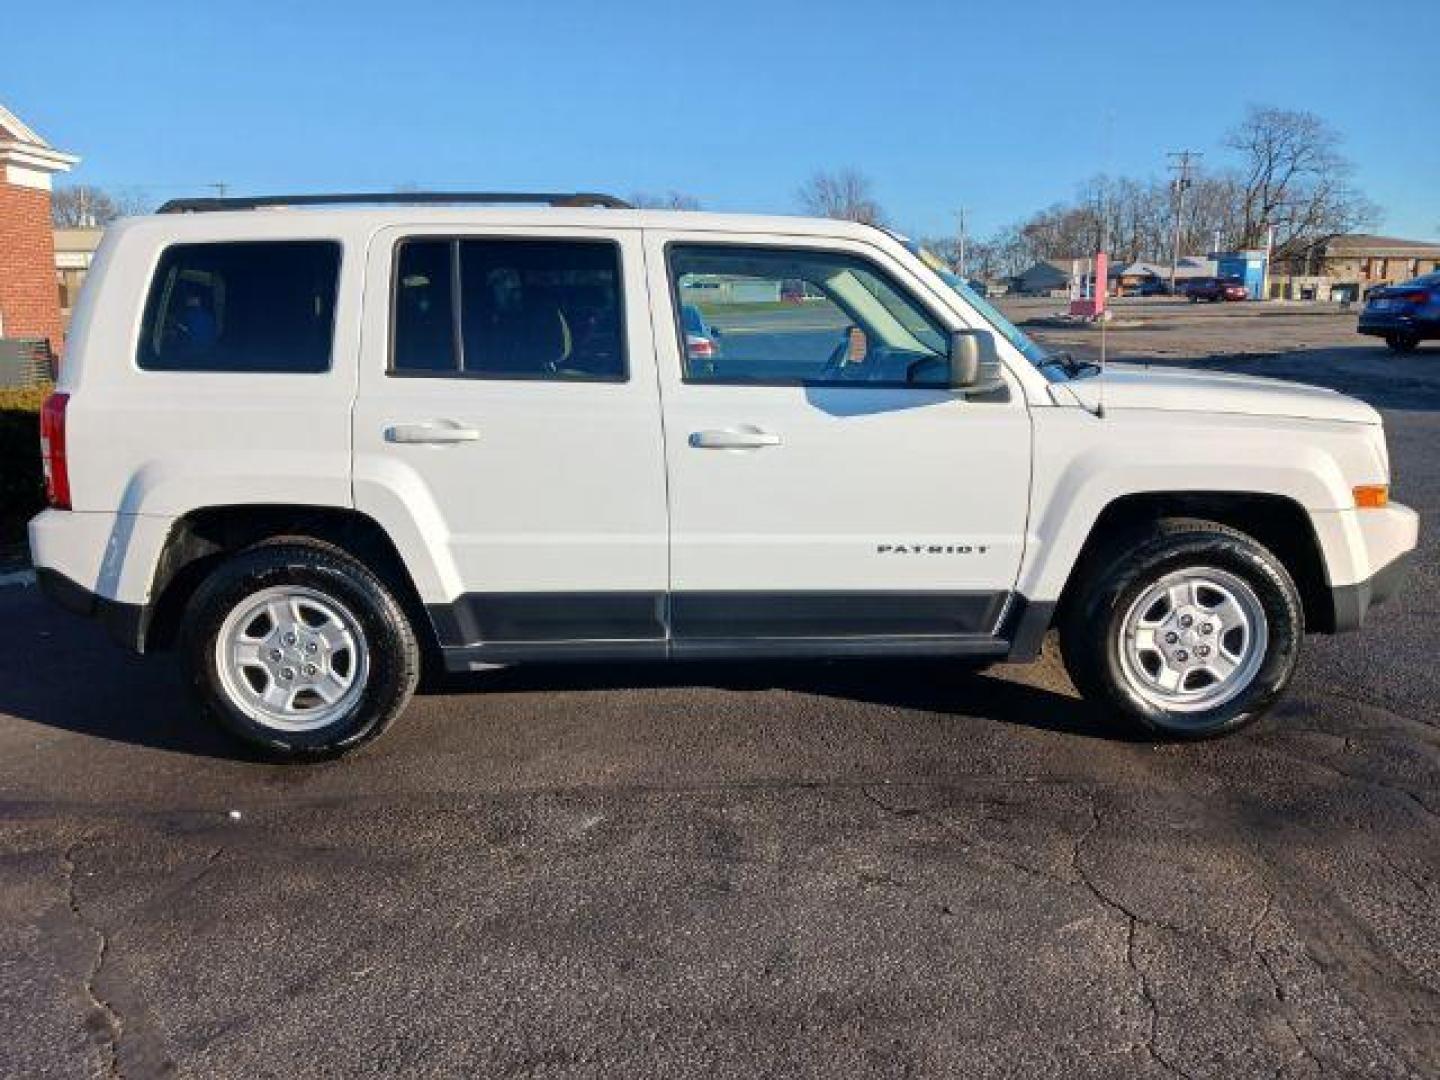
[245,306]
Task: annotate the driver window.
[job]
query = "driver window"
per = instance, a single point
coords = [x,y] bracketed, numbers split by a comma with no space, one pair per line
[800,317]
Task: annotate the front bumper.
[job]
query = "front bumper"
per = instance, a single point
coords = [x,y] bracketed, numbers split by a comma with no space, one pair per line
[1365,553]
[1353,602]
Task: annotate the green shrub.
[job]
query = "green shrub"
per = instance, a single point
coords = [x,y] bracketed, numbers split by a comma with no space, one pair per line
[22,483]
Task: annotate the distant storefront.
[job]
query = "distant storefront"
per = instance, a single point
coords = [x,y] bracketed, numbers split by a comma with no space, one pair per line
[715,289]
[74,251]
[1347,267]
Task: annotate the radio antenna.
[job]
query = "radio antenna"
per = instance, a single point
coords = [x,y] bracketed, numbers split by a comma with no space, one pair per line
[1105,247]
[1104,323]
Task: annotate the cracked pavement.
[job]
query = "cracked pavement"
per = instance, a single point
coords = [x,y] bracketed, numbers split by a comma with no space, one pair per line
[742,870]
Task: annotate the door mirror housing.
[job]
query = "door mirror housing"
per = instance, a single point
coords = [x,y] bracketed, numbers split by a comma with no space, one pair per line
[974,362]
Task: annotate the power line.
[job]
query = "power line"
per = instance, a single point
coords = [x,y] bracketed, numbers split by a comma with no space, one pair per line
[1181,162]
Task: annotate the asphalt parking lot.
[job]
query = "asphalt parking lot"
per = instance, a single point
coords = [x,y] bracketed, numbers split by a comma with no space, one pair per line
[749,870]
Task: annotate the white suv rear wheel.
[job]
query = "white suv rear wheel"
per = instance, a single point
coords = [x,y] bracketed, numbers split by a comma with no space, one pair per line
[292,658]
[299,648]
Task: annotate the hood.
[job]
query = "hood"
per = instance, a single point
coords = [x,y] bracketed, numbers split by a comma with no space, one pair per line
[1184,390]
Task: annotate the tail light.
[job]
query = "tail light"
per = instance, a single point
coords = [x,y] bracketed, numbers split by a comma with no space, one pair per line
[1413,296]
[52,450]
[699,348]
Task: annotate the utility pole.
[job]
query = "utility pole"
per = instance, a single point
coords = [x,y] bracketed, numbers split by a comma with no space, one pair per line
[220,188]
[1181,162]
[960,216]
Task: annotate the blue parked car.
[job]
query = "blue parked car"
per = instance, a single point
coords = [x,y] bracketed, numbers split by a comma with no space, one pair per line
[1405,314]
[702,341]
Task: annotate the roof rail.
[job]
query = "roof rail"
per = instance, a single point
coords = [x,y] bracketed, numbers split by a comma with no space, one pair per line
[404,198]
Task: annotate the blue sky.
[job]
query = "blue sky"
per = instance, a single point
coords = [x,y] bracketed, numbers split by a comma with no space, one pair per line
[1000,107]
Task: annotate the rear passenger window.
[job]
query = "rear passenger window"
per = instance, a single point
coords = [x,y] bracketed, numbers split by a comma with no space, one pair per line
[528,309]
[424,315]
[247,306]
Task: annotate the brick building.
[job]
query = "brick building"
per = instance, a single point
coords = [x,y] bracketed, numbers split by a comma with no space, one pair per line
[29,298]
[1348,266]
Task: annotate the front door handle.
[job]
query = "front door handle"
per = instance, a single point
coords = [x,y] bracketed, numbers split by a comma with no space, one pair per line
[733,439]
[442,432]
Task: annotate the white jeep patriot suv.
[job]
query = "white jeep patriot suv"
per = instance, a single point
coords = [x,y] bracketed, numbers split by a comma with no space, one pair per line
[316,446]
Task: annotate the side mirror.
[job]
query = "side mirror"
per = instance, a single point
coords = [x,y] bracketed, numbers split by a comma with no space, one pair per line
[974,362]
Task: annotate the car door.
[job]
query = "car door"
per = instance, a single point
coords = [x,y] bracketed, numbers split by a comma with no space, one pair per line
[828,493]
[507,437]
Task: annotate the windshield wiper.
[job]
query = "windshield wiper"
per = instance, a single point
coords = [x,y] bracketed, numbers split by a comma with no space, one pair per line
[1070,365]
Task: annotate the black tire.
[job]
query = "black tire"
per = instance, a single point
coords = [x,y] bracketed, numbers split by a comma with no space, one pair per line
[1402,343]
[393,655]
[1091,627]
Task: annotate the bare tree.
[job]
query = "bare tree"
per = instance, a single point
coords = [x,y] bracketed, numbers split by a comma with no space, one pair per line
[989,259]
[1293,178]
[844,194]
[84,206]
[1214,216]
[1290,175]
[1133,219]
[672,200]
[1061,232]
[1001,255]
[946,248]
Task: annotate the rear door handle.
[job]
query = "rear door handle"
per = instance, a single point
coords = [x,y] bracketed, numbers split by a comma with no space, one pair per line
[733,439]
[431,431]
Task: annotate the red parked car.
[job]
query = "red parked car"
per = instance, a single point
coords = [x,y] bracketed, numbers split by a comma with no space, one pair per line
[1215,290]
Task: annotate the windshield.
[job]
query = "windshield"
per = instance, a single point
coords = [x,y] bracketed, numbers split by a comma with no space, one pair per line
[1052,366]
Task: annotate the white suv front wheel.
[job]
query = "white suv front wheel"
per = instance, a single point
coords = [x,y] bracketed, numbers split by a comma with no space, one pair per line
[1191,631]
[299,649]
[1193,639]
